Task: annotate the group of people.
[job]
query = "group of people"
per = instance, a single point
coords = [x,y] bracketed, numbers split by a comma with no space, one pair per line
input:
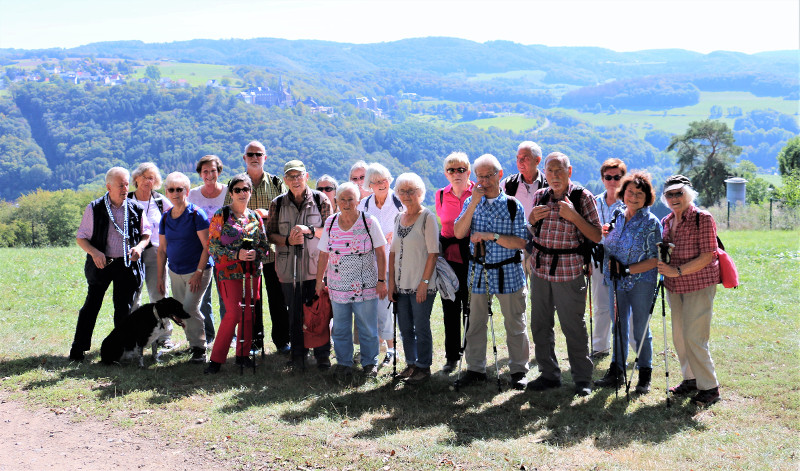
[373,250]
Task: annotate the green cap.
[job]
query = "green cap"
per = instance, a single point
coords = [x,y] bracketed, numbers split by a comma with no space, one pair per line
[294,165]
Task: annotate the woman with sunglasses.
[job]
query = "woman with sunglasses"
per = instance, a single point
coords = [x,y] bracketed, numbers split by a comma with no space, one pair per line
[183,241]
[327,185]
[611,172]
[691,279]
[358,173]
[238,243]
[210,196]
[449,201]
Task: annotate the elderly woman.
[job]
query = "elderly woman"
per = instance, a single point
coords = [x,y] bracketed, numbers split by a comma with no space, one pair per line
[449,201]
[327,185]
[183,234]
[385,206]
[239,245]
[146,179]
[352,254]
[632,245]
[358,174]
[210,196]
[412,276]
[691,282]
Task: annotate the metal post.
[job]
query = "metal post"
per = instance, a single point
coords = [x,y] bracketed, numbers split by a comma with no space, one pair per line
[770,213]
[729,214]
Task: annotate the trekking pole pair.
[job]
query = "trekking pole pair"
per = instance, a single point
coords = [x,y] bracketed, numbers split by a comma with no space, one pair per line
[247,304]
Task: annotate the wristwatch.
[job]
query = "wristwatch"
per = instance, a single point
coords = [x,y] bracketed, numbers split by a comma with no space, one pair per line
[496,236]
[426,281]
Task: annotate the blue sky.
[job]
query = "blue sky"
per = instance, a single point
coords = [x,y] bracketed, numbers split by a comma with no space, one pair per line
[621,25]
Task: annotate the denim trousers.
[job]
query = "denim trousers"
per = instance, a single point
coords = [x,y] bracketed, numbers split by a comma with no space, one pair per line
[414,320]
[366,318]
[208,310]
[634,311]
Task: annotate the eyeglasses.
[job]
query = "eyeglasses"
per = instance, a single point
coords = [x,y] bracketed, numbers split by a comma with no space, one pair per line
[255,154]
[674,194]
[485,177]
[326,188]
[616,178]
[407,192]
[244,189]
[296,176]
[357,179]
[173,190]
[458,169]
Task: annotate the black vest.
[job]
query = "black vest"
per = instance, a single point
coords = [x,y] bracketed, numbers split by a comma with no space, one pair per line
[102,223]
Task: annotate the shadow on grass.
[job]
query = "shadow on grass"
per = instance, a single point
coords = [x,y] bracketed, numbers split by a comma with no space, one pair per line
[476,413]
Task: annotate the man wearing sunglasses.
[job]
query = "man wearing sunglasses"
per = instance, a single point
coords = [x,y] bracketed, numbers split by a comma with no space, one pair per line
[524,184]
[611,173]
[266,187]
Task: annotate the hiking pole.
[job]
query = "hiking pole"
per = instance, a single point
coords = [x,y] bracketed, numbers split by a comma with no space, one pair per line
[247,244]
[294,322]
[465,317]
[664,255]
[614,268]
[639,346]
[491,315]
[591,318]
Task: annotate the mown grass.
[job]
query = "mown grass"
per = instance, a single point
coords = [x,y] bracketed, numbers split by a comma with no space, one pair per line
[279,420]
[195,75]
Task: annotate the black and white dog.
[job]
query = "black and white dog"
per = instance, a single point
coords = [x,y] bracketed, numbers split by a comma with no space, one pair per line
[142,328]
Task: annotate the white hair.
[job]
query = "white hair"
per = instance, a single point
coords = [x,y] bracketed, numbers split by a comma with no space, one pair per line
[687,190]
[487,159]
[146,167]
[533,147]
[347,186]
[114,172]
[413,180]
[178,178]
[560,157]
[255,144]
[456,157]
[374,169]
[356,166]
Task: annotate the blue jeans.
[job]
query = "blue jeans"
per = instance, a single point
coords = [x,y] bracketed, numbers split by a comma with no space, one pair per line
[366,317]
[634,304]
[414,320]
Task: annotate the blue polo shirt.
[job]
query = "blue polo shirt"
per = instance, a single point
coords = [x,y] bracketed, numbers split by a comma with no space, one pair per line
[183,246]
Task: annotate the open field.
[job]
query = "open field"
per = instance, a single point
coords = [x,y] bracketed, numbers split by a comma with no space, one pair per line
[514,123]
[279,420]
[195,74]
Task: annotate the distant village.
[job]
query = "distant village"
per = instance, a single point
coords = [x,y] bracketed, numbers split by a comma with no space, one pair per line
[281,96]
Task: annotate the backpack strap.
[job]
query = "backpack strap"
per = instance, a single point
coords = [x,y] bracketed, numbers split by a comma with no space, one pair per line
[159,200]
[511,203]
[441,196]
[366,201]
[366,226]
[397,203]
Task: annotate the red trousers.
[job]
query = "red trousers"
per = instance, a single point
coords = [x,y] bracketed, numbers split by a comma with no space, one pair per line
[232,296]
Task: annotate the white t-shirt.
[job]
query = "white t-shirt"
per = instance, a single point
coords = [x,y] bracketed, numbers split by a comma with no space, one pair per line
[209,205]
[153,214]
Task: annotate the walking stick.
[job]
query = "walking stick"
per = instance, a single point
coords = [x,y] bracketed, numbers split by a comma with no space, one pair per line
[247,303]
[296,321]
[639,346]
[591,318]
[465,318]
[664,255]
[394,339]
[491,315]
[614,267]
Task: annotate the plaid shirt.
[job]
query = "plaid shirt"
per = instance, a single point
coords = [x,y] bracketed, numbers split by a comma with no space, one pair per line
[689,244]
[262,195]
[558,233]
[494,217]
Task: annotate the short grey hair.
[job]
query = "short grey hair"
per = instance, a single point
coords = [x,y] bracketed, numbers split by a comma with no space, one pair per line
[178,178]
[376,169]
[255,144]
[536,151]
[687,190]
[347,186]
[356,166]
[488,159]
[560,157]
[456,157]
[413,180]
[146,167]
[114,172]
[328,178]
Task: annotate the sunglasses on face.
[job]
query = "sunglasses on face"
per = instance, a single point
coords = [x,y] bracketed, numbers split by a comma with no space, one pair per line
[244,189]
[456,170]
[613,177]
[357,179]
[326,188]
[255,154]
[173,190]
[674,194]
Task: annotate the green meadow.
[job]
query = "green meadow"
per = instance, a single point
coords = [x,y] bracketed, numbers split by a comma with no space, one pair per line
[277,419]
[195,75]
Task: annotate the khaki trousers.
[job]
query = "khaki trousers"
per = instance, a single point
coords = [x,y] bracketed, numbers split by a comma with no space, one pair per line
[512,306]
[691,327]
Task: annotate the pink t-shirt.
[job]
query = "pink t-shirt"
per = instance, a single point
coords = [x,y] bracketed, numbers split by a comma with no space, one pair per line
[448,208]
[352,263]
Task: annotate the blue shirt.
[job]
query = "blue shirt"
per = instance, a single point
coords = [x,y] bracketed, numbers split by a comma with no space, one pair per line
[632,242]
[604,211]
[495,217]
[184,248]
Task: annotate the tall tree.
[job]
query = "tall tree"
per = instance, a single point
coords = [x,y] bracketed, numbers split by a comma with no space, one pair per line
[705,154]
[789,157]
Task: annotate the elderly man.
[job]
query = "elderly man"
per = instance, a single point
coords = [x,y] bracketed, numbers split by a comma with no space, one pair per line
[524,184]
[113,233]
[294,226]
[266,188]
[564,216]
[497,222]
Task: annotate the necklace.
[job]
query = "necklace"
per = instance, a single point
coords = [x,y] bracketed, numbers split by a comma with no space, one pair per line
[123,232]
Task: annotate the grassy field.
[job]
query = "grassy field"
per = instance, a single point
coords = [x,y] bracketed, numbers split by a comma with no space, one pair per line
[279,420]
[195,74]
[514,123]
